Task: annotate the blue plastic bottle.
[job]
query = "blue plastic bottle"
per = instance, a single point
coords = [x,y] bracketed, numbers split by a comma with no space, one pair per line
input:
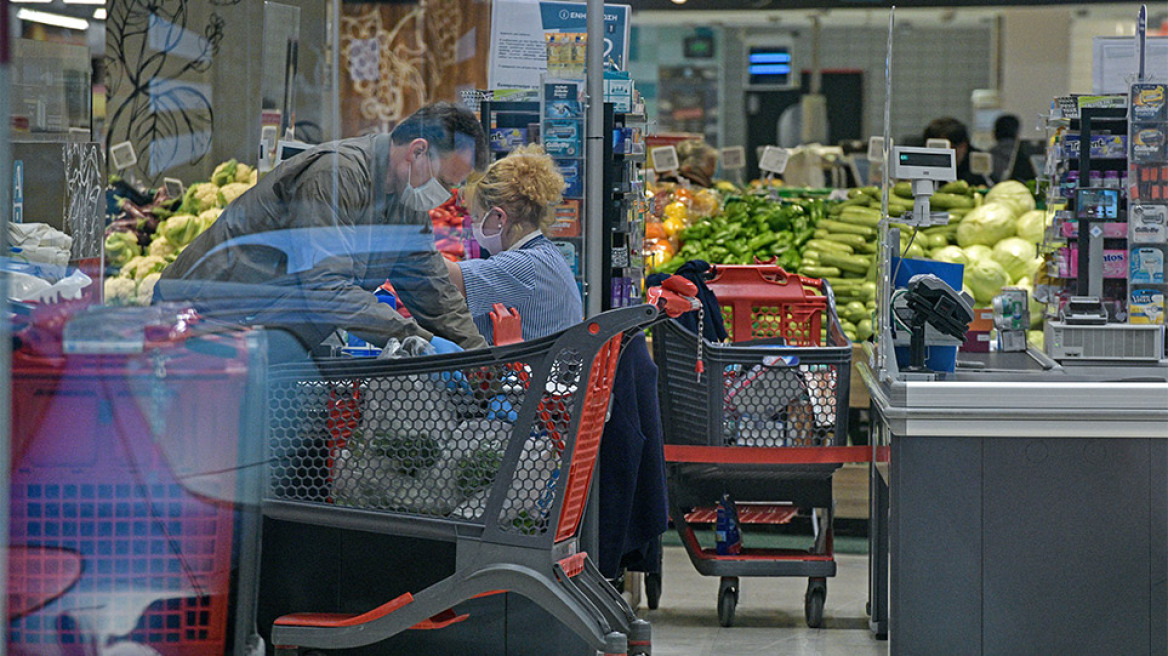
[727,539]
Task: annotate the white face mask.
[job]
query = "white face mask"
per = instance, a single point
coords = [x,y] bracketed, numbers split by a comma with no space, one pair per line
[426,196]
[493,243]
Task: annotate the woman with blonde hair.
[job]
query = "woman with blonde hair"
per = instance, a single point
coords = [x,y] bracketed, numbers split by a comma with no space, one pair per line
[511,206]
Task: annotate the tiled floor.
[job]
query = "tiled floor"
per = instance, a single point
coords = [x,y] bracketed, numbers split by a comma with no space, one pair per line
[769,618]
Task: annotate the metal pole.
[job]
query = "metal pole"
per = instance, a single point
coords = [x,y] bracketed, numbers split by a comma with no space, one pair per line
[884,277]
[594,152]
[5,338]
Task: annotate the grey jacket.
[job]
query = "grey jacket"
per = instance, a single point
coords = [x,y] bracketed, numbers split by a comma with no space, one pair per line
[305,248]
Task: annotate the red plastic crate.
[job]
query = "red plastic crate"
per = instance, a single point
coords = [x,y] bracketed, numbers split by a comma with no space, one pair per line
[764,301]
[131,475]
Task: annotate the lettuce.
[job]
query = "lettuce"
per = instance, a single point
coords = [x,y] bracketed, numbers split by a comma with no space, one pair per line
[985,278]
[952,255]
[1016,255]
[986,225]
[1012,194]
[1031,226]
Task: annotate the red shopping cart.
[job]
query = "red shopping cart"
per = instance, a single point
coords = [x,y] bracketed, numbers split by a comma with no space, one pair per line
[765,425]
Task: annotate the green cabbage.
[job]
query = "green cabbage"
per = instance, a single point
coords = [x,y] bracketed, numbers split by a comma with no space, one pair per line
[1016,255]
[121,247]
[1031,226]
[979,252]
[985,278]
[1012,194]
[952,255]
[986,225]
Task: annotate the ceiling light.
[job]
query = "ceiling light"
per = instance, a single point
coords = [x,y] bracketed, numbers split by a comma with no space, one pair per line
[679,2]
[85,2]
[31,2]
[99,14]
[56,20]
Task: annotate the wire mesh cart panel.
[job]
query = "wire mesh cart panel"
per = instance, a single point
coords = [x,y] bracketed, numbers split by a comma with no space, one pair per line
[765,425]
[493,450]
[124,490]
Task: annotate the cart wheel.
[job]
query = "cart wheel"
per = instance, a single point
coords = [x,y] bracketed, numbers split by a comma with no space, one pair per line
[813,602]
[727,600]
[653,589]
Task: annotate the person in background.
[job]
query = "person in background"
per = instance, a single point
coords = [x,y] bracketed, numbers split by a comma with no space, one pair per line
[511,206]
[1005,145]
[304,250]
[697,162]
[958,135]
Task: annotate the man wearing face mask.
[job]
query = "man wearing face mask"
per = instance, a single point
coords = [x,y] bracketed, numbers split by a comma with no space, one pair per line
[306,247]
[511,205]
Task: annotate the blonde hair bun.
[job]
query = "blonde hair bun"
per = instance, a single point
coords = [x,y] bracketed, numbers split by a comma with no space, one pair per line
[526,183]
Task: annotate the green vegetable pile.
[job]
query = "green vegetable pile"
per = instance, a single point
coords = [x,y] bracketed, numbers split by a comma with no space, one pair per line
[750,229]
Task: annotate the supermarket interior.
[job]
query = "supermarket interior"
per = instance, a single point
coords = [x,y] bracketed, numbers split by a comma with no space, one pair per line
[673,327]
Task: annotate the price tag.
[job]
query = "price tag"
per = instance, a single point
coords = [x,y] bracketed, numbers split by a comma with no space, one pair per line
[123,155]
[18,191]
[876,149]
[938,143]
[981,163]
[664,159]
[774,159]
[733,158]
[174,187]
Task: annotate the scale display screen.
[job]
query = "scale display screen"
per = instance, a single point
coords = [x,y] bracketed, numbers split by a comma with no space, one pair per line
[937,160]
[1097,203]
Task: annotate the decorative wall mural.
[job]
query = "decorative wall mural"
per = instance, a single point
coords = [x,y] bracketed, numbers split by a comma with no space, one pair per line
[396,58]
[158,58]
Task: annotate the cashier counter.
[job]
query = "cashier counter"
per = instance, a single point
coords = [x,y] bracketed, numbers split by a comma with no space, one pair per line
[1019,506]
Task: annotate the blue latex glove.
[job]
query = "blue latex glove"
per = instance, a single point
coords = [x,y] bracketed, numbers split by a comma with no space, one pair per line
[444,346]
[500,408]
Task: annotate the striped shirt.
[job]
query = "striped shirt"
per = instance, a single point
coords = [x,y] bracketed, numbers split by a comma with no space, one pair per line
[533,278]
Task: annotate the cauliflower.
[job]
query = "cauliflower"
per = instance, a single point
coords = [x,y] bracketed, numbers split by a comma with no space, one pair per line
[142,266]
[244,173]
[162,247]
[120,291]
[121,247]
[224,173]
[181,229]
[146,288]
[208,217]
[199,197]
[253,178]
[230,192]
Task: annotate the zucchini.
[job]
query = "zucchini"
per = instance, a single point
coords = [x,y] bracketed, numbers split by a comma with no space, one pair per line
[857,242]
[819,272]
[864,216]
[846,227]
[823,246]
[849,263]
[942,201]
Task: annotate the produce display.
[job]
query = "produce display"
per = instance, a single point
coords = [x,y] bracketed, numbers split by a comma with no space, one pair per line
[995,234]
[148,229]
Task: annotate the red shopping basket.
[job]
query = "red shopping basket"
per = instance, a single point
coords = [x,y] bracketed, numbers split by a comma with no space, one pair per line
[763,301]
[126,464]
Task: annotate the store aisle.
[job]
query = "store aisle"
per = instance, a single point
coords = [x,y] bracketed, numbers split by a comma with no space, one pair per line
[769,619]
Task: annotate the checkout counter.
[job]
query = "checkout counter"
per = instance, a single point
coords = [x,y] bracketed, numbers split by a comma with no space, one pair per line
[1019,507]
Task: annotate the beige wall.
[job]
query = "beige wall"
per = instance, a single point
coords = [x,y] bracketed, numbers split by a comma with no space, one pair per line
[1035,65]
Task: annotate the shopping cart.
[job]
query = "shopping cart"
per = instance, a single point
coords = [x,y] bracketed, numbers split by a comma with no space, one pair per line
[492,450]
[766,424]
[126,478]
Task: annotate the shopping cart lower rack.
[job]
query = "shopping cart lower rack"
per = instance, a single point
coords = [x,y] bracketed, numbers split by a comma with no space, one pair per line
[765,426]
[493,450]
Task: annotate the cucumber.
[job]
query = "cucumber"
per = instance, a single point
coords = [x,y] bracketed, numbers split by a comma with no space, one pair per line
[821,233]
[849,263]
[819,272]
[942,201]
[903,189]
[956,187]
[823,246]
[810,254]
[865,216]
[843,226]
[855,241]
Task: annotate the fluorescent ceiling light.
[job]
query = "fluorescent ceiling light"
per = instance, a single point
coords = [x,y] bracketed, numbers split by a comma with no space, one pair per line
[31,2]
[85,2]
[99,14]
[56,20]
